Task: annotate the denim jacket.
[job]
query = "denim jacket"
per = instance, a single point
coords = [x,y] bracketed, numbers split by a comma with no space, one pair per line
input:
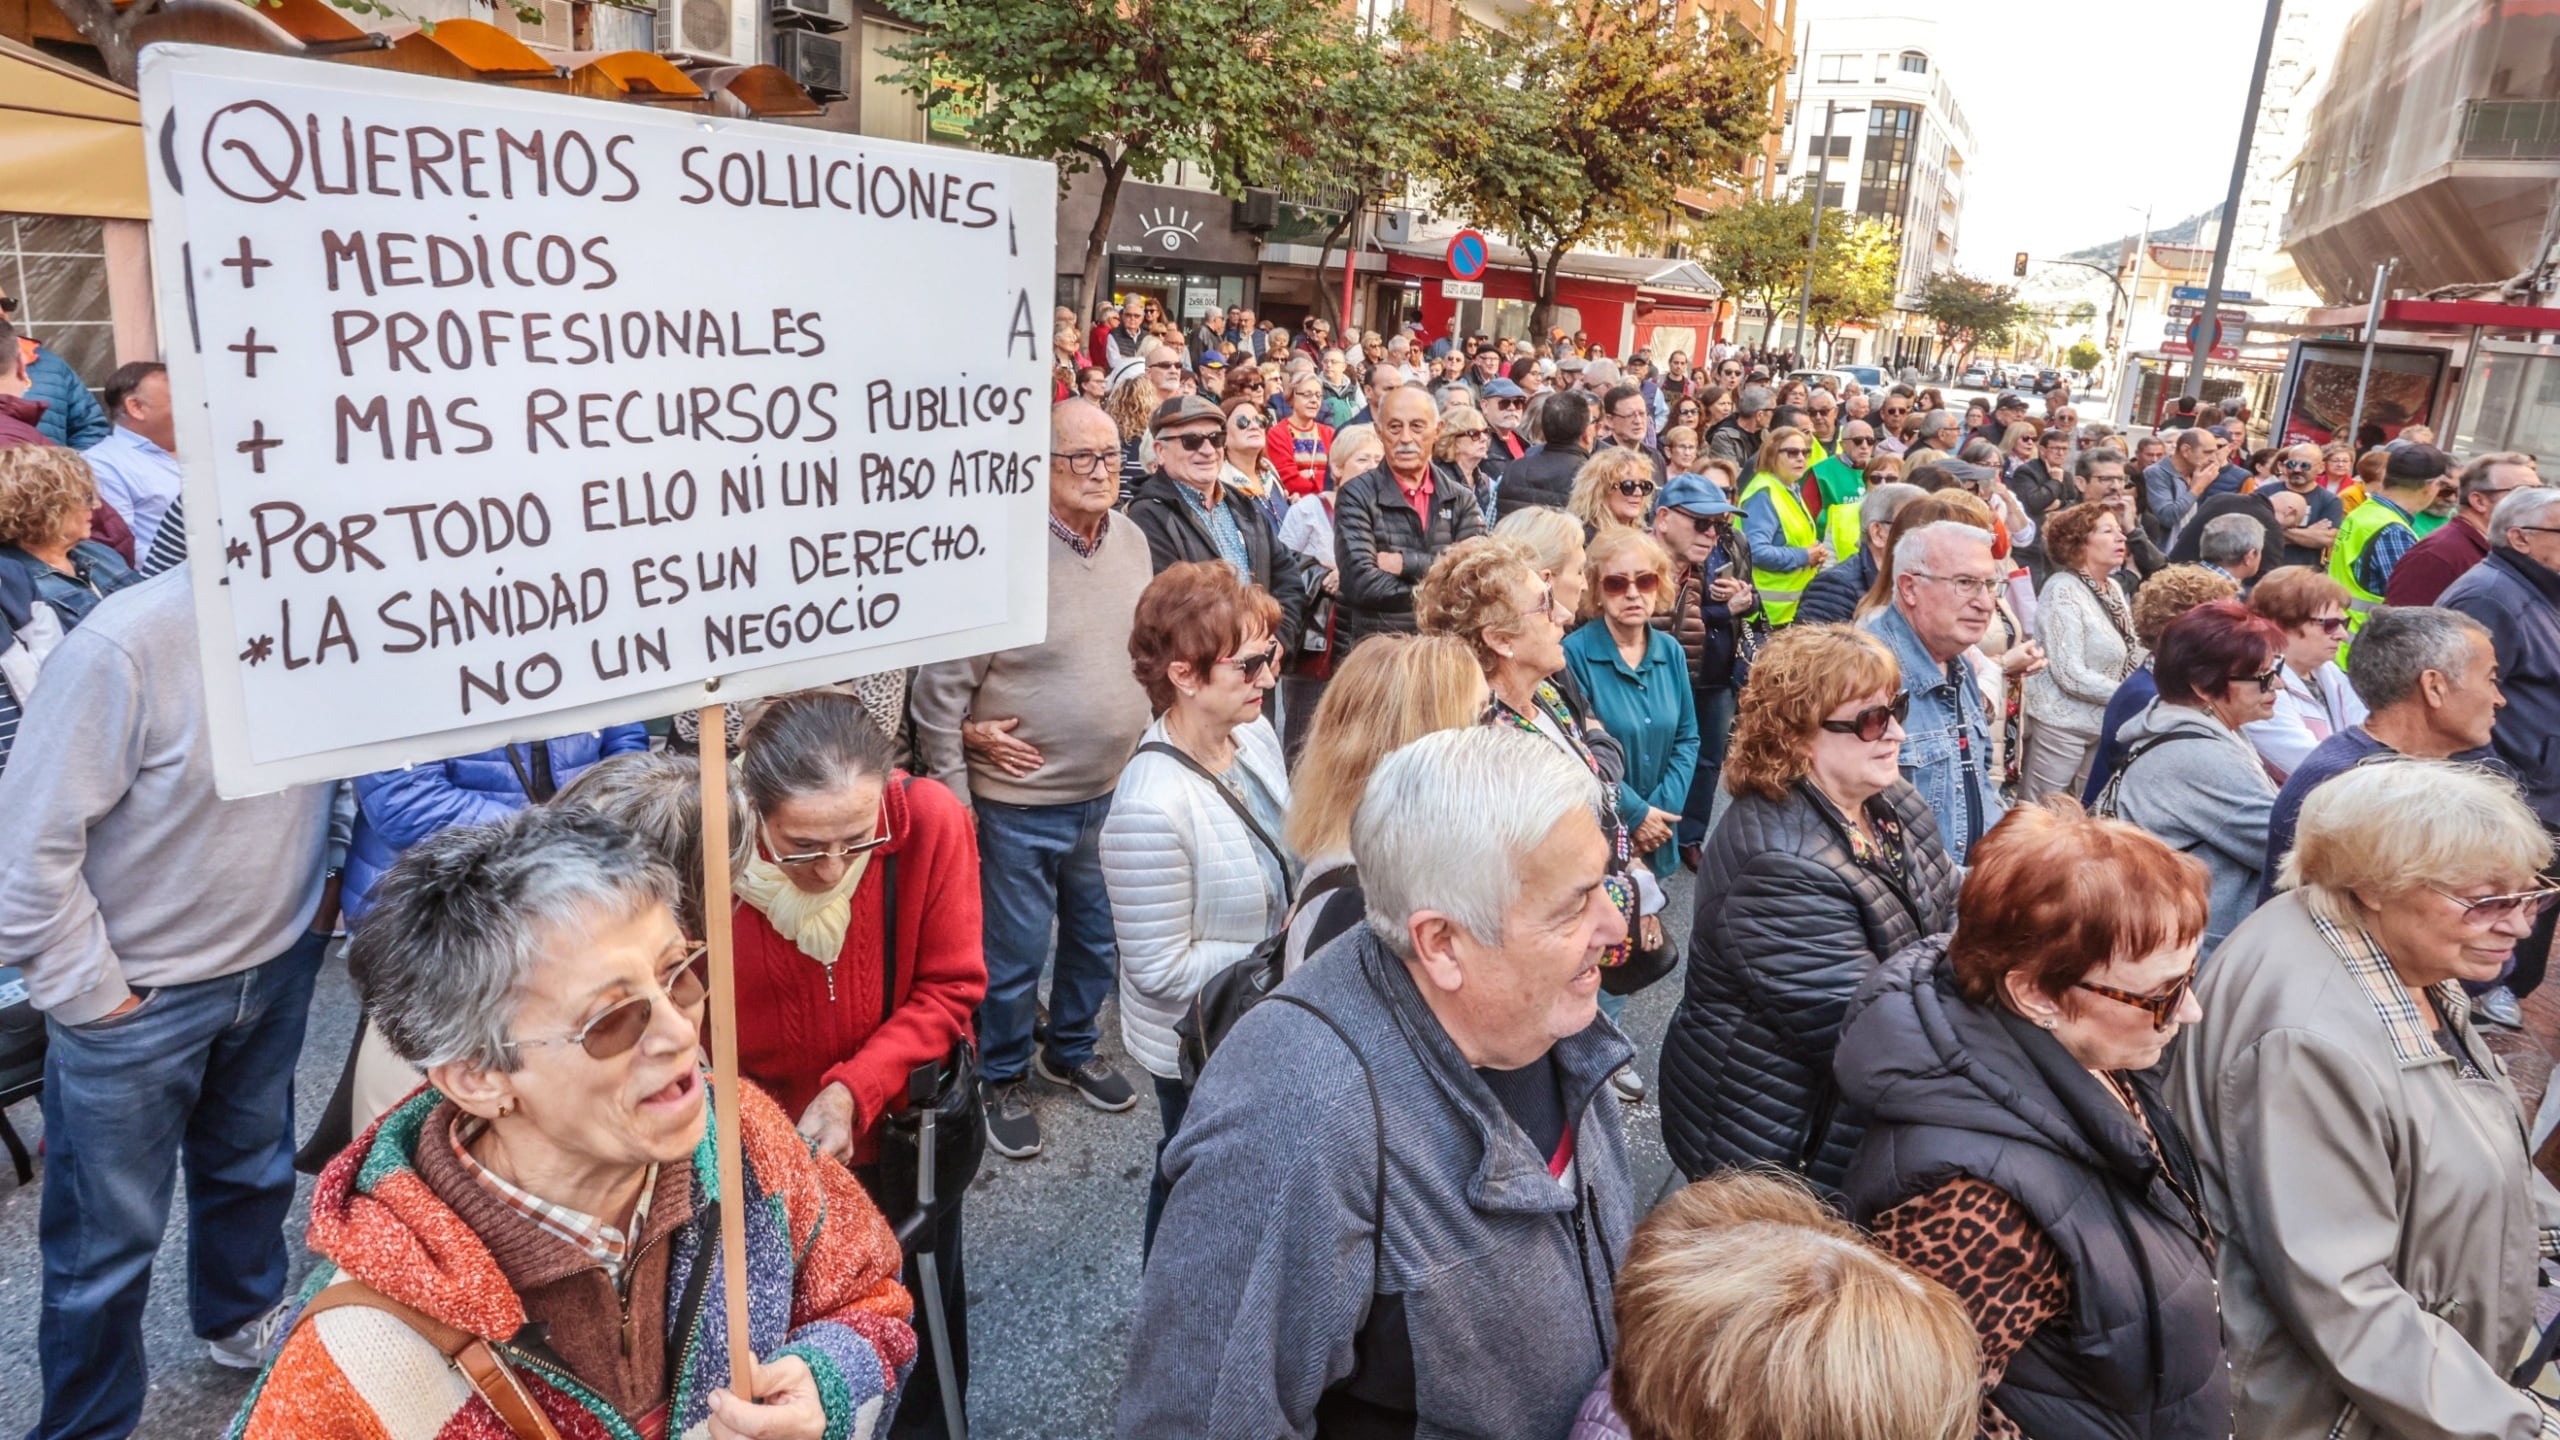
[1947,741]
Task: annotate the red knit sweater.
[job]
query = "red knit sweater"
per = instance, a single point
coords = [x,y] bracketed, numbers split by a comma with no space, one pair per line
[795,1040]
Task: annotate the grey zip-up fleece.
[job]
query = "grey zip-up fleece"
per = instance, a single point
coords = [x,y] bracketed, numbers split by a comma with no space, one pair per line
[119,866]
[2205,794]
[1262,1273]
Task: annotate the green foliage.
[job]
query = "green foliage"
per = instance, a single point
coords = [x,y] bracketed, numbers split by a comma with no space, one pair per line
[1854,274]
[2083,313]
[2083,357]
[1125,87]
[1756,247]
[1971,314]
[1613,107]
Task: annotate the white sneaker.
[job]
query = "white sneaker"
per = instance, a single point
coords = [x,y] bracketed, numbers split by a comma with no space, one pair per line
[253,1344]
[1628,1084]
[2501,1007]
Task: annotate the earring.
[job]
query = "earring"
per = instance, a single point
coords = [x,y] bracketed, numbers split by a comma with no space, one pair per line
[2049,1022]
[508,1107]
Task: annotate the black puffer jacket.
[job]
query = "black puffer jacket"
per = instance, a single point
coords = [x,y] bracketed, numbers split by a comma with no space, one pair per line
[1788,924]
[1953,1089]
[1176,534]
[1371,517]
[1543,478]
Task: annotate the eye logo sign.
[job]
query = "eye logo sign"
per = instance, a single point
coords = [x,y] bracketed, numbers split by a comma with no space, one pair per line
[1169,227]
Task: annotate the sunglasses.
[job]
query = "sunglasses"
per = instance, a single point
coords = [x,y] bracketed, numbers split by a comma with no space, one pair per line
[1164,364]
[1794,453]
[2297,467]
[2490,909]
[1871,723]
[1642,583]
[2163,1006]
[1636,487]
[619,1027]
[2332,626]
[1196,441]
[1246,420]
[2266,679]
[1254,666]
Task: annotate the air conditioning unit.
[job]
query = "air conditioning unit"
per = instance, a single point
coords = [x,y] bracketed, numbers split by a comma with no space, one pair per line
[816,61]
[823,15]
[708,32]
[1258,211]
[1395,227]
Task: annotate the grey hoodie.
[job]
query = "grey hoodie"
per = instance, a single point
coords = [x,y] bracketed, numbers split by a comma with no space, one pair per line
[2204,793]
[1262,1276]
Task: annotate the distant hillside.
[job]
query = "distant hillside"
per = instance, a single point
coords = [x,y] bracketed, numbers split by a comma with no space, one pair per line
[2185,232]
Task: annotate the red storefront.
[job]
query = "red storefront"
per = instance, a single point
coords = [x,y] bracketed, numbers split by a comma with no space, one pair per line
[1618,300]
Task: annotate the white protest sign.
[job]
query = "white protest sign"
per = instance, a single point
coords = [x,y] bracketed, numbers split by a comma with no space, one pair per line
[507,415]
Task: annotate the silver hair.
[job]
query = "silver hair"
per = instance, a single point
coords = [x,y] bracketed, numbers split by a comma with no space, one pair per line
[2086,463]
[1447,820]
[1755,400]
[1601,372]
[1885,501]
[1935,421]
[2226,540]
[657,796]
[2384,831]
[462,920]
[2398,644]
[2482,473]
[1911,552]
[2521,510]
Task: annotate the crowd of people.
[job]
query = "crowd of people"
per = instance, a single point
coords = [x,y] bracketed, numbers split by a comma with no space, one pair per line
[2034,1072]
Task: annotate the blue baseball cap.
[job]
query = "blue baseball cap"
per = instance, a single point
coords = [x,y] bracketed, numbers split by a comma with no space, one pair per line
[1697,496]
[1501,388]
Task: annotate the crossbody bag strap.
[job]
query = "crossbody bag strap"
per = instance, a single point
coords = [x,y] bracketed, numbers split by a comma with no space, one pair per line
[889,929]
[1238,806]
[477,1360]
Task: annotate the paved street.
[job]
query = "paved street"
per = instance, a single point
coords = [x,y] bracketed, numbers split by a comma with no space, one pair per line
[1052,1253]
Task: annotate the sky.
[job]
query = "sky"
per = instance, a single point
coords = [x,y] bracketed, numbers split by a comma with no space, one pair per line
[2080,108]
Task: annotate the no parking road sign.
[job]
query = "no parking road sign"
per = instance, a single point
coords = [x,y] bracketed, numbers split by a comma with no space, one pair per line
[1469,255]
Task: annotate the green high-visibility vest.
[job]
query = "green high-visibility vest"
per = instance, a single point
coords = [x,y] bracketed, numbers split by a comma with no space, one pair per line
[2362,524]
[1781,590]
[1840,529]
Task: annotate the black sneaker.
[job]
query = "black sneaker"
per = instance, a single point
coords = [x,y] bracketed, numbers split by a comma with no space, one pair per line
[1095,1080]
[1012,1130]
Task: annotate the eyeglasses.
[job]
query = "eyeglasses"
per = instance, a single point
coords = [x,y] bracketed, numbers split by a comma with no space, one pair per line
[1626,414]
[1194,441]
[847,852]
[1637,487]
[2163,1006]
[1970,587]
[1085,462]
[2332,626]
[1643,583]
[1255,664]
[617,1028]
[1872,723]
[1164,364]
[1794,452]
[2490,909]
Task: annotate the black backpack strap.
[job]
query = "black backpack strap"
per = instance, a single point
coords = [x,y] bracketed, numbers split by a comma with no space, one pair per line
[1378,1109]
[889,929]
[1242,812]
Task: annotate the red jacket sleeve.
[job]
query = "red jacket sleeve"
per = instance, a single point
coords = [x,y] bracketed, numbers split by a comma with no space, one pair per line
[942,964]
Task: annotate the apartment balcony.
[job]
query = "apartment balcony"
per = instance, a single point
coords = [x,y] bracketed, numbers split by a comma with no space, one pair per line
[2509,130]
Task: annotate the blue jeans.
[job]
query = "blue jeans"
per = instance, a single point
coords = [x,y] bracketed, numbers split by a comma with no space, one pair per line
[199,1074]
[1715,736]
[1040,865]
[1173,1101]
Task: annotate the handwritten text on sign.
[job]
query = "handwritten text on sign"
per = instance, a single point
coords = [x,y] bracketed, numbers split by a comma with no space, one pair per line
[510,405]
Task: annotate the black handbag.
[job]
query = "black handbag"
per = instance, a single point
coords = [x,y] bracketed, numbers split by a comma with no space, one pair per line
[948,1088]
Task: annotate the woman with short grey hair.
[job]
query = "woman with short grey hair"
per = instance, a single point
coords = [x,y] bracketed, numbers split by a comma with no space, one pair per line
[554,1180]
[2360,1145]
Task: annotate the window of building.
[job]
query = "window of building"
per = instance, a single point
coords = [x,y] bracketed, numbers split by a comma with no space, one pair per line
[1836,69]
[1884,176]
[1914,63]
[887,111]
[56,267]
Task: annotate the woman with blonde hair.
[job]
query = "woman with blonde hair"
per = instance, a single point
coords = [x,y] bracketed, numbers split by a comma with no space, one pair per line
[1828,863]
[1746,1276]
[1458,455]
[1556,544]
[1613,488]
[1391,691]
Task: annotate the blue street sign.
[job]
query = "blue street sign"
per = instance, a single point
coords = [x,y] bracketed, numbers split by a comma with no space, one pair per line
[2197,292]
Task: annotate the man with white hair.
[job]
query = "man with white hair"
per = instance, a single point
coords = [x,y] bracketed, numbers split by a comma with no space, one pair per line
[1945,590]
[2515,593]
[1401,1188]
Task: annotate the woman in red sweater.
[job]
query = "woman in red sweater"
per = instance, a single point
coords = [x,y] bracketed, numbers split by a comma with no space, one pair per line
[1298,444]
[839,999]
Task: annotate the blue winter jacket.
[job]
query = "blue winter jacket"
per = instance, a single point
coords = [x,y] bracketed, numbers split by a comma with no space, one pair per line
[396,809]
[72,416]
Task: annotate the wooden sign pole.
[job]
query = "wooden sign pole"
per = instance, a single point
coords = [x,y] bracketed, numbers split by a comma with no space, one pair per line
[724,1046]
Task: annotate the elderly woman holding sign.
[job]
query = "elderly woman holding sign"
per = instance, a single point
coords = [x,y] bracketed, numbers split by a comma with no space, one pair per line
[545,1213]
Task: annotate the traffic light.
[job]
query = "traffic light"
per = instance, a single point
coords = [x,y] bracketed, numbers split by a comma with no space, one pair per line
[2022,263]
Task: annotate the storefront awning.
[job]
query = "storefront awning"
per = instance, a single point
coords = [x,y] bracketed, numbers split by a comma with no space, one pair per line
[1649,272]
[70,143]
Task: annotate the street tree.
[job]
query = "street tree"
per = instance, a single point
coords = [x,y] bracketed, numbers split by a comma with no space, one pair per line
[1120,87]
[1382,105]
[1970,314]
[1853,275]
[1616,106]
[2083,357]
[1755,247]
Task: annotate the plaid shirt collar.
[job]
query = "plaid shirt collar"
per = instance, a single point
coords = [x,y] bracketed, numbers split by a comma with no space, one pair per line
[1075,541]
[605,1244]
[2413,1041]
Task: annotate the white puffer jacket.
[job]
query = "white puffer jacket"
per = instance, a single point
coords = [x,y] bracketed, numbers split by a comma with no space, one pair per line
[1186,883]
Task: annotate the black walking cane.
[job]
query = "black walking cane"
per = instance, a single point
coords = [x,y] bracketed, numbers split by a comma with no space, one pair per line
[917,1237]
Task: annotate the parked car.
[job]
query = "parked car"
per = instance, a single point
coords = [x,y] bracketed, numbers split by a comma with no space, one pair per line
[2047,379]
[1977,377]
